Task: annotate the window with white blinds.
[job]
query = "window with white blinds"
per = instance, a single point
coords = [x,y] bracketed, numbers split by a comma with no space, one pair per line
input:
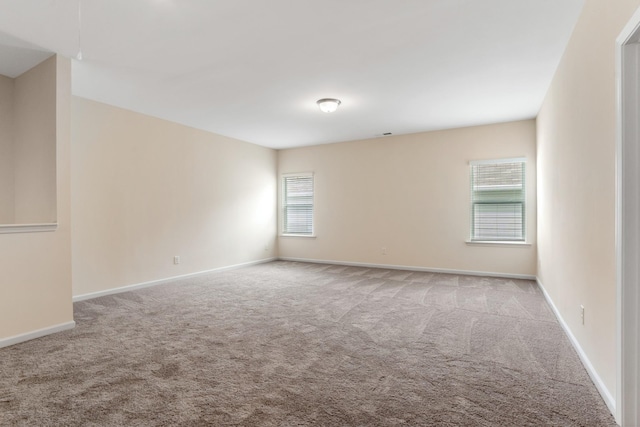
[297,204]
[498,200]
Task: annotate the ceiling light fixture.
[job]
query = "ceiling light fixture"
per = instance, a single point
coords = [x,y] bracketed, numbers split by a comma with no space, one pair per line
[328,105]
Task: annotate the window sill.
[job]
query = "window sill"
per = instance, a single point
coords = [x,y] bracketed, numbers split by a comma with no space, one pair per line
[496,243]
[27,228]
[308,236]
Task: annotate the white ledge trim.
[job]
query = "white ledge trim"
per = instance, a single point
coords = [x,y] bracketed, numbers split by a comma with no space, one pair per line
[496,243]
[27,228]
[308,236]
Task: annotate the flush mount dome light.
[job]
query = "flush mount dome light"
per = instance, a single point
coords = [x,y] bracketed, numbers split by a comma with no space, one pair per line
[328,105]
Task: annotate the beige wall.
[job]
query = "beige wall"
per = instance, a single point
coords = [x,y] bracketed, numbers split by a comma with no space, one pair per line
[6,150]
[145,190]
[34,149]
[576,183]
[35,283]
[409,194]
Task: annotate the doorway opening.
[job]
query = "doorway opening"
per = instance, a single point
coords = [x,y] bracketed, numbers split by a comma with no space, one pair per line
[628,223]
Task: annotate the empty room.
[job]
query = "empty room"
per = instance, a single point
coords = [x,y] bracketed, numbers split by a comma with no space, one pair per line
[339,213]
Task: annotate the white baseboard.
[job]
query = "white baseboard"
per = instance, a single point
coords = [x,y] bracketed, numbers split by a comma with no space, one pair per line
[128,288]
[142,285]
[414,268]
[16,339]
[602,389]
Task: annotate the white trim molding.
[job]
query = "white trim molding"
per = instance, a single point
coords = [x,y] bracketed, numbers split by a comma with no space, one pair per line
[628,224]
[27,228]
[413,268]
[498,243]
[150,283]
[521,159]
[17,339]
[602,389]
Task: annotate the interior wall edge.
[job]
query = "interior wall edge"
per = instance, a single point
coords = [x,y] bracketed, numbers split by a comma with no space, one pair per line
[412,268]
[608,398]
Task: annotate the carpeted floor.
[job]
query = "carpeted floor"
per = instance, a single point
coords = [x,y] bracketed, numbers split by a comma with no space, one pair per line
[293,344]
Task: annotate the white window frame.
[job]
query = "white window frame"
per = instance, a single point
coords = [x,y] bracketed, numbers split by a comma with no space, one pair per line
[472,238]
[283,204]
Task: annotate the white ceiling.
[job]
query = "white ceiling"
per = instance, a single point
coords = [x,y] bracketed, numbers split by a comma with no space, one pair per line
[18,56]
[253,69]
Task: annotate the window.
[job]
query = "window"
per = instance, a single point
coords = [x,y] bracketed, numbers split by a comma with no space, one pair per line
[498,200]
[297,204]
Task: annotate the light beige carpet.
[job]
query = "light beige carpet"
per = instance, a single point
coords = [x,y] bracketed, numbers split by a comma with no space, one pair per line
[292,344]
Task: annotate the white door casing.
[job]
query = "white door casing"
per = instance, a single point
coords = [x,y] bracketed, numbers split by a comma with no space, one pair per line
[628,223]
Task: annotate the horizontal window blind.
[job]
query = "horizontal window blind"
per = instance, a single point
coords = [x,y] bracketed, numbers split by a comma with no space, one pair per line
[297,198]
[498,200]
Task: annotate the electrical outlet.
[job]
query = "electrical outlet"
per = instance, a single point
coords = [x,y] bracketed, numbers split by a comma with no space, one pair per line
[176,260]
[383,250]
[266,248]
[582,313]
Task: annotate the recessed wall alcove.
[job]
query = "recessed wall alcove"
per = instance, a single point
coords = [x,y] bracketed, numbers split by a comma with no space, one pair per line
[27,138]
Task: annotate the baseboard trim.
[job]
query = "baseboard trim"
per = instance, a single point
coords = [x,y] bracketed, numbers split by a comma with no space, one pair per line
[17,339]
[413,268]
[148,284]
[602,389]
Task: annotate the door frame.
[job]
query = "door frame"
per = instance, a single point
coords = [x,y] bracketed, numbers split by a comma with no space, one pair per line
[627,411]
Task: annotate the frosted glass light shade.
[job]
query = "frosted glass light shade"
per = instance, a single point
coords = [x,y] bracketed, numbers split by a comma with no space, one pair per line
[328,105]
